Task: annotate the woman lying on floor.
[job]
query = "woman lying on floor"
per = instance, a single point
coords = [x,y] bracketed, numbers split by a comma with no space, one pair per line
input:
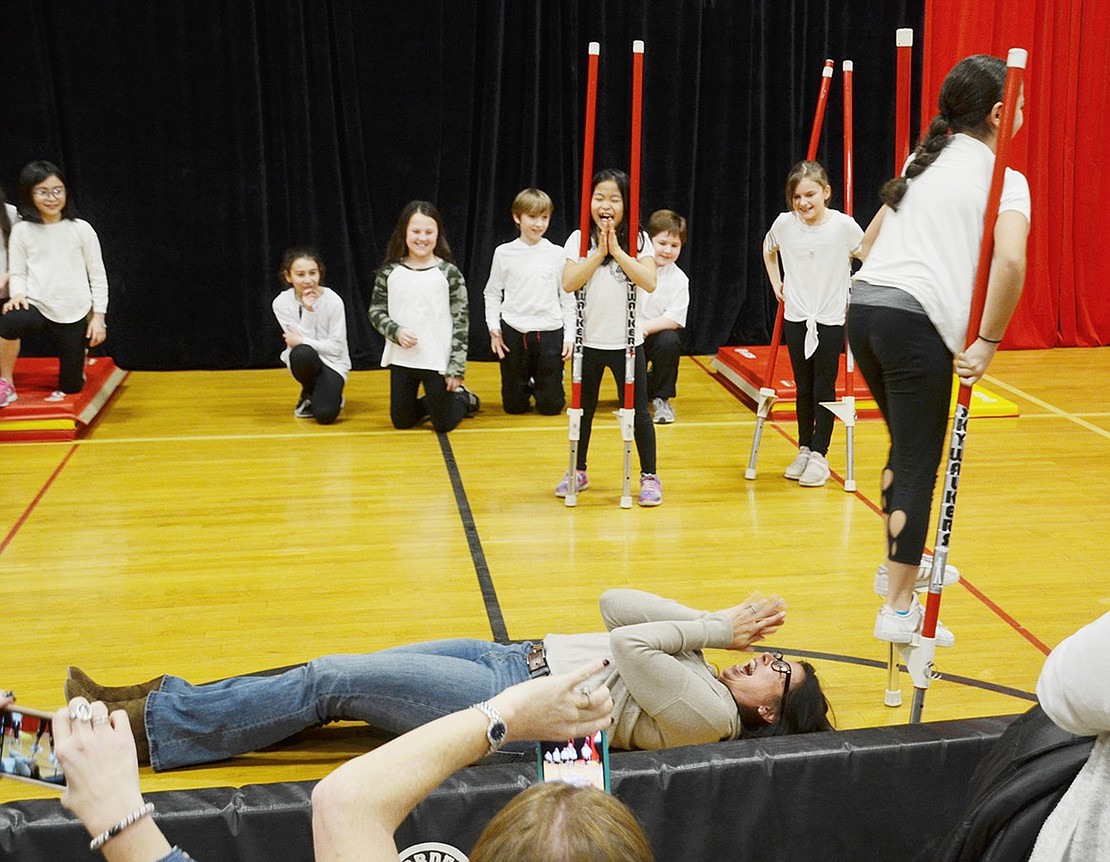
[664,692]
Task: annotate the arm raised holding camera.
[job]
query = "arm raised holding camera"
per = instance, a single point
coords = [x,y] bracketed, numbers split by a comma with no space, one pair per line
[357,808]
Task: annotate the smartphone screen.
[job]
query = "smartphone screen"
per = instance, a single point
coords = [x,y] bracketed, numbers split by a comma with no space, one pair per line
[27,747]
[582,761]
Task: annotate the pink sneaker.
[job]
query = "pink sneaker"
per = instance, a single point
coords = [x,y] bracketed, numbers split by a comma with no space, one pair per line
[7,393]
[563,488]
[651,490]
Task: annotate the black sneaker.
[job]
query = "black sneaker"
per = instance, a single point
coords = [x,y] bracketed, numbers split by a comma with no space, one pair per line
[303,410]
[473,403]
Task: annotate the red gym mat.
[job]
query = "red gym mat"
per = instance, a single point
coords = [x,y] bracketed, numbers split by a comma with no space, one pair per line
[33,418]
[746,369]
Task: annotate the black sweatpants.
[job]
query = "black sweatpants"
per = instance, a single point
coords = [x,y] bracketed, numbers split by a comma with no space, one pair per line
[533,356]
[662,351]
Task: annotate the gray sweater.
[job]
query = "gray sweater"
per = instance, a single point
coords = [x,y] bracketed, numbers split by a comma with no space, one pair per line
[664,693]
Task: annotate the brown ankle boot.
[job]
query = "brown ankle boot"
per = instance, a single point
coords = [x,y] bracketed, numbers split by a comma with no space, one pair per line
[136,714]
[135,709]
[94,691]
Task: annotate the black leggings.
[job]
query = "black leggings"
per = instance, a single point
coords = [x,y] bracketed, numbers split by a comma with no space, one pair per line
[594,363]
[445,409]
[815,381]
[322,385]
[68,338]
[533,356]
[909,372]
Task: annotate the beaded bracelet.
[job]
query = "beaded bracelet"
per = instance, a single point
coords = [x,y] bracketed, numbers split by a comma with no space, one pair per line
[131,819]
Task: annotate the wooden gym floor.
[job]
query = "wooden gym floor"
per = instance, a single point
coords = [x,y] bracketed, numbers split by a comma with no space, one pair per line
[200,529]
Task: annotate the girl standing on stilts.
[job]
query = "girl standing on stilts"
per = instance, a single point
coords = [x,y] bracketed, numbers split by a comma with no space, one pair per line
[816,245]
[910,307]
[604,275]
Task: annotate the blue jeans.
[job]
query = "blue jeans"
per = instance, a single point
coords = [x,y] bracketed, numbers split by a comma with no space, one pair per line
[394,690]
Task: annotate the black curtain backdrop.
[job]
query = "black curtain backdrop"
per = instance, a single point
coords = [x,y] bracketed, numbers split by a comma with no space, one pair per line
[201,138]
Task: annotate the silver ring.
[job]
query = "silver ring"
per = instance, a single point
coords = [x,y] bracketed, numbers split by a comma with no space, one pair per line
[82,712]
[755,608]
[99,720]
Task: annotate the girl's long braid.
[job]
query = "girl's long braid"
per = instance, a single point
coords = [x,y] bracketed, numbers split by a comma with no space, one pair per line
[967,96]
[931,146]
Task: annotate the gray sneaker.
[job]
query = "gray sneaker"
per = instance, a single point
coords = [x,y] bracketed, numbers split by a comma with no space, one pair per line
[664,412]
[816,472]
[798,465]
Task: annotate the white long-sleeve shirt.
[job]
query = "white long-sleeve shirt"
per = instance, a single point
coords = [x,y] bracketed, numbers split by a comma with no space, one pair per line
[58,268]
[1074,691]
[13,217]
[525,289]
[324,328]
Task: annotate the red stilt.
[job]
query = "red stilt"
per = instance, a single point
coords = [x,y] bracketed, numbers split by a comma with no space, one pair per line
[767,392]
[574,412]
[628,410]
[920,658]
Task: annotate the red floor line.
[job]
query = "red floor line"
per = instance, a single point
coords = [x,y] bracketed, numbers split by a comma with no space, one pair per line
[975,591]
[31,507]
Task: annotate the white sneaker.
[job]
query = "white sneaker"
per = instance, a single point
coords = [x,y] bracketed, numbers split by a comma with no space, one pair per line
[924,571]
[798,465]
[906,629]
[664,412]
[816,473]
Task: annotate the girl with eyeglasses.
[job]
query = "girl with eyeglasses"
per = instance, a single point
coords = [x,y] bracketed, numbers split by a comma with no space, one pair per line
[57,279]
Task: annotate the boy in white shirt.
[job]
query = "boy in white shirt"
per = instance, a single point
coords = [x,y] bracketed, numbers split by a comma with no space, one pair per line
[529,315]
[664,312]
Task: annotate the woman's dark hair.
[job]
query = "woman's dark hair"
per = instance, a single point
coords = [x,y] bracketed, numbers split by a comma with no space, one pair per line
[396,248]
[805,170]
[33,174]
[621,179]
[5,222]
[295,253]
[806,711]
[969,92]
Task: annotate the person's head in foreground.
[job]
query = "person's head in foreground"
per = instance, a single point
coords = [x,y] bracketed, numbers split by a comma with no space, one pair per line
[557,822]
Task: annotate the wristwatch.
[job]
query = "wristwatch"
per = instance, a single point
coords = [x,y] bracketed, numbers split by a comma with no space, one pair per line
[497,731]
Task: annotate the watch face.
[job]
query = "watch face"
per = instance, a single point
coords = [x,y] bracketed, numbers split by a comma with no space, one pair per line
[497,732]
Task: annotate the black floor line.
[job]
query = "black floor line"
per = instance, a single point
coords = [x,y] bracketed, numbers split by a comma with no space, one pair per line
[870,662]
[477,555]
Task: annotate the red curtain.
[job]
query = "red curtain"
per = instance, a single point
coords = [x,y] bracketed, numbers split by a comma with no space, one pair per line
[1064,150]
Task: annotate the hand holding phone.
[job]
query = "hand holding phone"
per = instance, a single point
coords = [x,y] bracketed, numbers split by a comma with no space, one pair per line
[27,747]
[582,761]
[102,769]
